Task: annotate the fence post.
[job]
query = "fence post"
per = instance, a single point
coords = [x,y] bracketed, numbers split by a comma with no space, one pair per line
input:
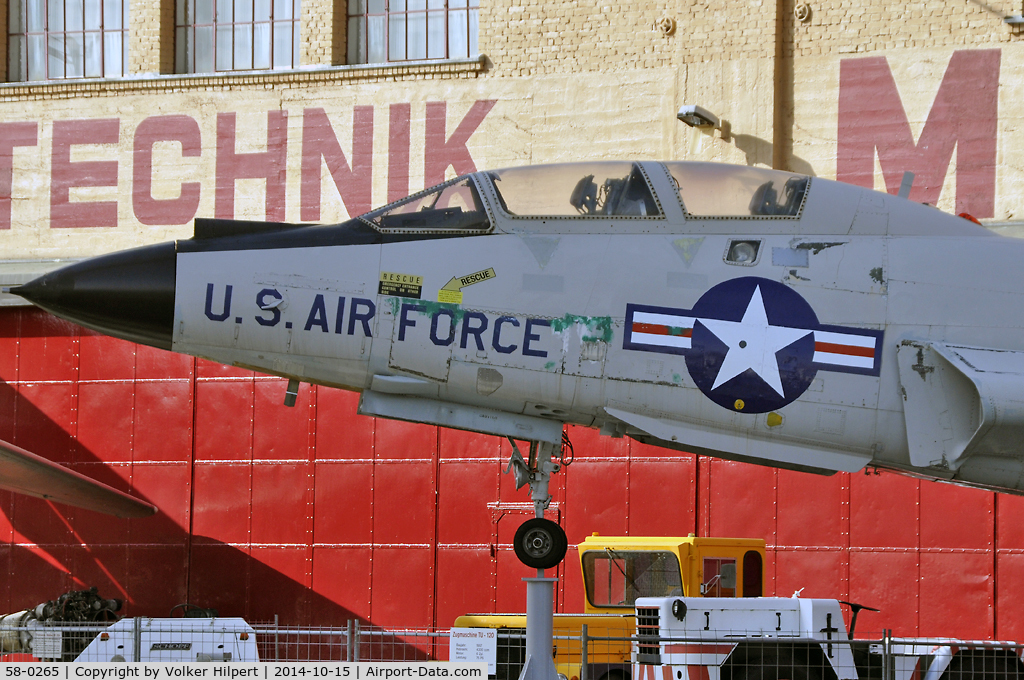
[348,640]
[355,635]
[277,650]
[137,639]
[887,665]
[584,642]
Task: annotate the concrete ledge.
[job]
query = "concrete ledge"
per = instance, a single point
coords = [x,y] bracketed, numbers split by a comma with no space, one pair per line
[434,69]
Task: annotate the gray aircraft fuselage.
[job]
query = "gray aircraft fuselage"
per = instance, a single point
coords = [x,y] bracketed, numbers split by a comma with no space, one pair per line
[744,313]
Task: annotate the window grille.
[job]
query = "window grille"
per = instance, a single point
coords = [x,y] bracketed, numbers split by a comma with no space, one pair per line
[411,30]
[236,35]
[59,39]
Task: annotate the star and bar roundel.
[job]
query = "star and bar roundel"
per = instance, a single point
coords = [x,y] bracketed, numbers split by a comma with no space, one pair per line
[752,345]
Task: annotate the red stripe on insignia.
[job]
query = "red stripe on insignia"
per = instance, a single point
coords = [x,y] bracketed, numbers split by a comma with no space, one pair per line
[849,350]
[658,329]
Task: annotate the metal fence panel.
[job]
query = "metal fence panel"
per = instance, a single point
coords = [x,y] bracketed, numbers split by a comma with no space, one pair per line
[577,655]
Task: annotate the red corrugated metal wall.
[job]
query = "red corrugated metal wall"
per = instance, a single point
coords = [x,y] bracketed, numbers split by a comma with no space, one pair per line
[318,515]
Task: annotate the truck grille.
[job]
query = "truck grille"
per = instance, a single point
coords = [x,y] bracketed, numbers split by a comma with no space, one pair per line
[648,623]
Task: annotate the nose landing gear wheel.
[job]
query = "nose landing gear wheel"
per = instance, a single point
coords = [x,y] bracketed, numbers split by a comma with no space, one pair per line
[540,543]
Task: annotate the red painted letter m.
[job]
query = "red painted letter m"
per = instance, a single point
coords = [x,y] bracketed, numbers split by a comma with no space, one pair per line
[963,117]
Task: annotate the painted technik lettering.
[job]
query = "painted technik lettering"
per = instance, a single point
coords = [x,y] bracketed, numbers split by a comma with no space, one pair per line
[156,201]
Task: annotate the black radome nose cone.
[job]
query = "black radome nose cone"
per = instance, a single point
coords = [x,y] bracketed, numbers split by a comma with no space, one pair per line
[128,294]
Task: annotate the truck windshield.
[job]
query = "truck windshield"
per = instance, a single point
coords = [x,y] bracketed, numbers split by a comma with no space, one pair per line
[615,578]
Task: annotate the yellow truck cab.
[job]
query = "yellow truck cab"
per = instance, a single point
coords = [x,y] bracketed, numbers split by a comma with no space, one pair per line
[616,571]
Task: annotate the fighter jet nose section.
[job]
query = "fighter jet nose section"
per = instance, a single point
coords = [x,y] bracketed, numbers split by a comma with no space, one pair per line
[129,294]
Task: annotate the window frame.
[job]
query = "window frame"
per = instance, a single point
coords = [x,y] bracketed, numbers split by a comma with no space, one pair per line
[399,12]
[713,585]
[187,58]
[373,218]
[20,34]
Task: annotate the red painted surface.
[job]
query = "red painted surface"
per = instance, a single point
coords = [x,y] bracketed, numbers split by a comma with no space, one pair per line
[399,137]
[269,165]
[320,147]
[67,174]
[149,210]
[440,150]
[963,116]
[318,515]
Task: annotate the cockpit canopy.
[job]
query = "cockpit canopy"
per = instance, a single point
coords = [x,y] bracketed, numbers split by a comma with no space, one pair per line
[732,191]
[598,190]
[450,207]
[575,190]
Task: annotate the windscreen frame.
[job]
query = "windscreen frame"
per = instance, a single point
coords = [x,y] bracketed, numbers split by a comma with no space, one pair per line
[471,180]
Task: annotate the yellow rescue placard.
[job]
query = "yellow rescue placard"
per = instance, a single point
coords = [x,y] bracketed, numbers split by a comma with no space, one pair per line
[452,291]
[401,285]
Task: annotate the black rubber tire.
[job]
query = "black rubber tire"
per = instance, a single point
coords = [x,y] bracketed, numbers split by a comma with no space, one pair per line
[540,543]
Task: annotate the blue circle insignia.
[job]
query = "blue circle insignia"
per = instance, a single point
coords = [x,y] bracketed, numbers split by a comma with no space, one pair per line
[752,345]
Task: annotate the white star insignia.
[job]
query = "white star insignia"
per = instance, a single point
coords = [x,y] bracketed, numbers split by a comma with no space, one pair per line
[752,343]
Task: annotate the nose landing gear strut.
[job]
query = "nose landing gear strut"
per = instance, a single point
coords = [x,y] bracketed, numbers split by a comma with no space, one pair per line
[541,544]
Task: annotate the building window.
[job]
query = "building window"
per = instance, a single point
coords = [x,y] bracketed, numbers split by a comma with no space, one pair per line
[236,35]
[58,39]
[410,30]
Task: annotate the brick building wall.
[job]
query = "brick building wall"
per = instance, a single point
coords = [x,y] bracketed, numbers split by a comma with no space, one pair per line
[572,81]
[151,38]
[528,37]
[323,31]
[863,27]
[524,38]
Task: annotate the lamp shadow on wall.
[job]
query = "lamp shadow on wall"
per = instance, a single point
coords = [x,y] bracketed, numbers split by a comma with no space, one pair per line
[988,8]
[761,151]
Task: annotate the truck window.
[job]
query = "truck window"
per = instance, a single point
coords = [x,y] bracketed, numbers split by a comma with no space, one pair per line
[719,577]
[752,574]
[615,578]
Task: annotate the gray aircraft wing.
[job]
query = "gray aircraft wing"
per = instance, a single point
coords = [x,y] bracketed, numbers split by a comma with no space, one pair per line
[26,473]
